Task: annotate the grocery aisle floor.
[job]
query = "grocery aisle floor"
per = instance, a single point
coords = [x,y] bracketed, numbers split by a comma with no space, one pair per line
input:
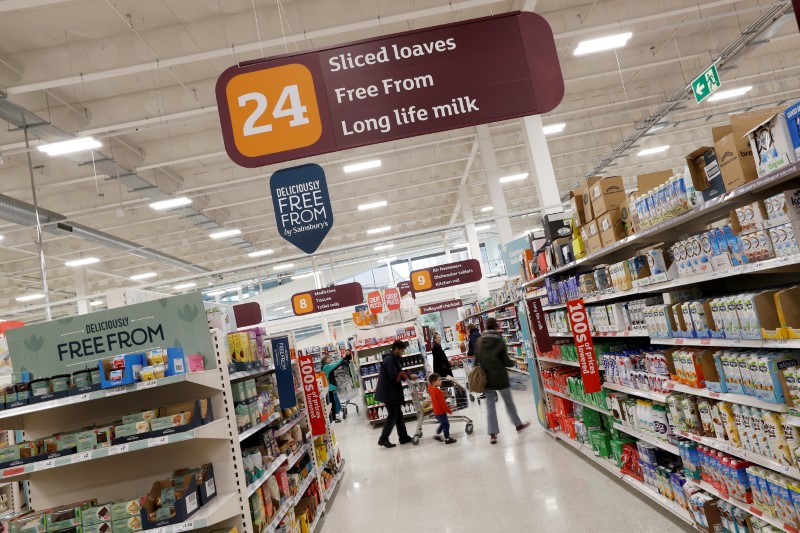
[525,481]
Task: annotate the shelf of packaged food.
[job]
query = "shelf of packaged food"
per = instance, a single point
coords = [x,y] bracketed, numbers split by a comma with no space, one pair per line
[274,465]
[517,343]
[289,423]
[318,514]
[384,345]
[258,427]
[636,392]
[750,508]
[208,379]
[213,430]
[558,361]
[284,508]
[334,481]
[518,371]
[735,343]
[381,404]
[221,508]
[312,474]
[647,437]
[579,402]
[627,333]
[741,399]
[412,366]
[720,205]
[365,363]
[495,308]
[634,483]
[365,376]
[244,374]
[371,391]
[506,318]
[727,447]
[298,454]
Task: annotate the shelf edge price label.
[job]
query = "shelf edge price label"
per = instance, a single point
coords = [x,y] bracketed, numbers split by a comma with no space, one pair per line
[44,465]
[117,390]
[120,448]
[184,526]
[149,384]
[157,441]
[81,457]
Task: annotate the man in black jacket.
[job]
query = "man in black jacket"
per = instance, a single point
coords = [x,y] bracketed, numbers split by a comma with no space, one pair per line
[390,391]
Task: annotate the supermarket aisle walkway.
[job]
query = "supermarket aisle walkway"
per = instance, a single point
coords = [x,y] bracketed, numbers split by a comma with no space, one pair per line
[528,482]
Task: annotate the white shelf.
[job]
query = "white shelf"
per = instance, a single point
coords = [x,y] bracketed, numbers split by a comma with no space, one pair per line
[752,509]
[412,366]
[507,318]
[728,397]
[221,508]
[255,429]
[335,481]
[244,374]
[385,344]
[298,454]
[557,361]
[736,343]
[647,437]
[365,363]
[637,392]
[628,333]
[289,424]
[253,487]
[319,511]
[570,398]
[213,430]
[366,376]
[727,447]
[312,475]
[488,310]
[284,508]
[612,468]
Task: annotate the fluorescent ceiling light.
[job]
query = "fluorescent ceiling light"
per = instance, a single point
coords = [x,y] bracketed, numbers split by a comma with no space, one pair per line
[82,262]
[373,205]
[95,303]
[487,209]
[656,150]
[225,233]
[603,43]
[169,204]
[554,128]
[366,165]
[483,227]
[387,259]
[1,237]
[70,147]
[215,293]
[514,177]
[260,253]
[285,266]
[303,276]
[731,93]
[30,297]
[281,308]
[146,275]
[383,247]
[459,245]
[382,229]
[185,286]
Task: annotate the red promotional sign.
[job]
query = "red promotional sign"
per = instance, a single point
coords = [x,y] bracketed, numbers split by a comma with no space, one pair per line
[375,302]
[327,299]
[316,409]
[405,288]
[441,306]
[448,275]
[543,342]
[579,321]
[392,298]
[389,88]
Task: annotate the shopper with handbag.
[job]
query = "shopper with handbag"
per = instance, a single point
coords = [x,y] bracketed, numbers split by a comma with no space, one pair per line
[390,391]
[491,355]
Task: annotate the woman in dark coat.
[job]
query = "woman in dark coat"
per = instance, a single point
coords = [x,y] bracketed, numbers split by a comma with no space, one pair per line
[441,364]
[474,335]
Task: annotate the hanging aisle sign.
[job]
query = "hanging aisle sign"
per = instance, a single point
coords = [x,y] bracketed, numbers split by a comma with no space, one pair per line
[579,321]
[448,275]
[302,205]
[441,306]
[405,288]
[375,302]
[391,297]
[316,410]
[328,299]
[388,88]
[540,331]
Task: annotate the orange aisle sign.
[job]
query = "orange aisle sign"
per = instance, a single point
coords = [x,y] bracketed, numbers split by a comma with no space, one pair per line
[328,299]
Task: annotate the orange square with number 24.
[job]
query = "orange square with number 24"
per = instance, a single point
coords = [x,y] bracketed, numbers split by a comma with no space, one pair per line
[274,110]
[302,304]
[421,280]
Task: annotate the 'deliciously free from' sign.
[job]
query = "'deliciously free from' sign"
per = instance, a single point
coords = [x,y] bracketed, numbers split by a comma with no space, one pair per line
[69,344]
[302,205]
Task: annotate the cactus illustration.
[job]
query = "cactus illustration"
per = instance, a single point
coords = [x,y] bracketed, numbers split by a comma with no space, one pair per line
[163,302]
[34,343]
[188,314]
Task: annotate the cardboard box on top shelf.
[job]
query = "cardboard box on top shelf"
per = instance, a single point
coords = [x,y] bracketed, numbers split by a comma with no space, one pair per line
[646,182]
[583,203]
[563,251]
[772,144]
[792,114]
[556,226]
[704,170]
[630,219]
[606,194]
[591,237]
[611,227]
[578,248]
[576,205]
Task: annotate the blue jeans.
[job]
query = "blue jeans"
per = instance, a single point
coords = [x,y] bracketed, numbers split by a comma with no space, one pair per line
[491,409]
[444,425]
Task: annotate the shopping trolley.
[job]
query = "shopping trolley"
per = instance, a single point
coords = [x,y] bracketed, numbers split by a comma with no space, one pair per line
[469,364]
[455,394]
[348,387]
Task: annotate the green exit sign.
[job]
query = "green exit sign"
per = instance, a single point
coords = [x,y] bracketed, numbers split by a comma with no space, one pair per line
[705,84]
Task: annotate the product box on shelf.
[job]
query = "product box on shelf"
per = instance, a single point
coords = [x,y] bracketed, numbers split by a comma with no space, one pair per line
[611,227]
[180,509]
[646,182]
[606,194]
[556,226]
[788,302]
[792,114]
[180,417]
[578,248]
[204,479]
[765,305]
[704,170]
[590,234]
[772,144]
[121,369]
[582,205]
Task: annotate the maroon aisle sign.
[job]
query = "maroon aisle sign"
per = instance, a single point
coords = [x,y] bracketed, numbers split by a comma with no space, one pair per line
[388,88]
[543,342]
[579,321]
[391,297]
[334,297]
[316,410]
[375,302]
[448,275]
[441,306]
[405,288]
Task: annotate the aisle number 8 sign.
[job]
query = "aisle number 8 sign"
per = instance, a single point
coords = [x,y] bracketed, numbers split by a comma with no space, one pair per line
[274,110]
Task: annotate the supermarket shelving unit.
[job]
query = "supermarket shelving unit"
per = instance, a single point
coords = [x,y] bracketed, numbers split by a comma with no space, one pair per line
[508,321]
[748,276]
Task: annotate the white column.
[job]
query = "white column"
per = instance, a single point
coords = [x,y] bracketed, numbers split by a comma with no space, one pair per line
[81,290]
[541,165]
[472,240]
[449,258]
[318,285]
[500,210]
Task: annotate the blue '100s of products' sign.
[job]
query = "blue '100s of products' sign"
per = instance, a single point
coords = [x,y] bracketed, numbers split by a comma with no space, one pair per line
[302,205]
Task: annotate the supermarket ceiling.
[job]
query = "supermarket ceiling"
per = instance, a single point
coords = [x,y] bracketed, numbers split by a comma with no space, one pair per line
[139,77]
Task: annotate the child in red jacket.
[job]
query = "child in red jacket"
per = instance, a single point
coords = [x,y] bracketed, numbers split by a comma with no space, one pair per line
[440,409]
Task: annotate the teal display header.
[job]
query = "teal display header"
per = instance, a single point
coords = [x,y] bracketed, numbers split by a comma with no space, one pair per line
[70,344]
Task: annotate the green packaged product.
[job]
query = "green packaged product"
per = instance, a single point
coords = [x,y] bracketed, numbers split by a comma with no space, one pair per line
[127,525]
[128,430]
[125,508]
[9,453]
[100,514]
[238,391]
[592,418]
[139,417]
[60,383]
[30,523]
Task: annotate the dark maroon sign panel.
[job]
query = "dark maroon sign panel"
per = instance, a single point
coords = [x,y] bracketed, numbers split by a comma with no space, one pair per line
[418,82]
[449,275]
[540,331]
[441,306]
[248,314]
[404,287]
[335,297]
